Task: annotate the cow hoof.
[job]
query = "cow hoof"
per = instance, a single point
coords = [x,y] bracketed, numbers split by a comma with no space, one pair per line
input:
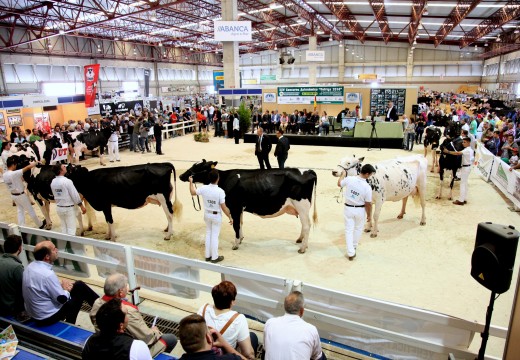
[367,230]
[167,237]
[89,228]
[103,164]
[166,229]
[438,197]
[449,198]
[241,240]
[301,251]
[235,247]
[298,241]
[400,216]
[422,223]
[82,233]
[373,235]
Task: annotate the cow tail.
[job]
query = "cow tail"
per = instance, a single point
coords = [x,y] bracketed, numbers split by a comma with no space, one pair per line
[421,180]
[177,206]
[315,212]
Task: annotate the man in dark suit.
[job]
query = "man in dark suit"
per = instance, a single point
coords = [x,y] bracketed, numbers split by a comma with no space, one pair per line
[282,148]
[391,112]
[262,149]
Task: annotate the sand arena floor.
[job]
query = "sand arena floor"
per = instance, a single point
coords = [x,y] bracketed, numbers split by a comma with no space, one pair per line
[423,266]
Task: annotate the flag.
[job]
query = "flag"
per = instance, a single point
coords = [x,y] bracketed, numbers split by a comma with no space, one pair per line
[315,103]
[91,78]
[360,115]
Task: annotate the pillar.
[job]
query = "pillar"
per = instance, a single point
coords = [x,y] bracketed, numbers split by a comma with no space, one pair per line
[312,65]
[230,48]
[341,63]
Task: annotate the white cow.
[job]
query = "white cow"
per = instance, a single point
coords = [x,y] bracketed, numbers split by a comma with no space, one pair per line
[394,180]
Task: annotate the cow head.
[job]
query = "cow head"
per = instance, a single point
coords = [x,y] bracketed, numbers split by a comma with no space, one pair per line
[199,171]
[352,165]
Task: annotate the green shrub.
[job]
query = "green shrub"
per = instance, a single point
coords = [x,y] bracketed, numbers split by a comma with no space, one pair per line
[244,116]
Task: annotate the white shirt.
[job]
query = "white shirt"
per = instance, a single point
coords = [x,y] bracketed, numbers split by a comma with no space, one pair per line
[5,155]
[14,181]
[388,113]
[290,338]
[237,331]
[213,196]
[113,137]
[357,191]
[64,192]
[41,288]
[467,156]
[465,127]
[236,124]
[139,351]
[211,110]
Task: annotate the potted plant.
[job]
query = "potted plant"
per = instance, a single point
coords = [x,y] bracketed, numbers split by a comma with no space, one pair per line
[201,137]
[244,116]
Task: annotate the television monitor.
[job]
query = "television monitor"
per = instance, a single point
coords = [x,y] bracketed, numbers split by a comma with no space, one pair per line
[348,122]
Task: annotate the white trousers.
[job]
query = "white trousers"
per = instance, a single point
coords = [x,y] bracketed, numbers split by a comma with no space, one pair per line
[67,217]
[213,224]
[464,175]
[354,222]
[113,150]
[23,204]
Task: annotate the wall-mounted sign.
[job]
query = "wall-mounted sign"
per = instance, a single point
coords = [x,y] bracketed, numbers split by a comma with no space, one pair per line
[232,30]
[352,97]
[314,55]
[218,79]
[39,101]
[269,97]
[15,120]
[305,95]
[250,81]
[109,109]
[367,76]
[268,77]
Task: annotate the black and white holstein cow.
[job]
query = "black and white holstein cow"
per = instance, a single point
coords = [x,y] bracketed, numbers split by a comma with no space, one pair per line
[51,151]
[432,139]
[128,187]
[394,180]
[91,140]
[39,185]
[266,193]
[449,162]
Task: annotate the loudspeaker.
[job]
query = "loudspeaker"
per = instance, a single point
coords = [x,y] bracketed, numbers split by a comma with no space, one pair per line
[493,258]
[415,109]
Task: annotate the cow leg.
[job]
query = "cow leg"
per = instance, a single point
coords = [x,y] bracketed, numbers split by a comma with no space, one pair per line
[168,211]
[303,208]
[237,226]
[441,182]
[377,211]
[44,206]
[90,214]
[403,208]
[79,217]
[111,233]
[452,182]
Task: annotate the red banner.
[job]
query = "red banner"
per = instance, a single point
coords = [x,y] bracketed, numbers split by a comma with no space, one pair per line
[91,78]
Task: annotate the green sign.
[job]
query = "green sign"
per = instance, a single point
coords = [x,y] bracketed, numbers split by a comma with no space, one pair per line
[306,94]
[267,77]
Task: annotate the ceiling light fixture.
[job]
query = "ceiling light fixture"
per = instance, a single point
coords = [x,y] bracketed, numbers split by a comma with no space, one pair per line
[116,39]
[517,30]
[160,44]
[476,48]
[486,44]
[340,44]
[331,39]
[275,47]
[62,31]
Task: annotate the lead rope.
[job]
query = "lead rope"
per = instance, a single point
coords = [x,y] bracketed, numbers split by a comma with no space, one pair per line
[198,200]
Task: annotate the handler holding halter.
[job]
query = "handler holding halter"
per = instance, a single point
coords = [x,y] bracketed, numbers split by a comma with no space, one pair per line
[358,200]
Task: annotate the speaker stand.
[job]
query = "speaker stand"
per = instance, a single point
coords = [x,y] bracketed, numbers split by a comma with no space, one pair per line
[485,334]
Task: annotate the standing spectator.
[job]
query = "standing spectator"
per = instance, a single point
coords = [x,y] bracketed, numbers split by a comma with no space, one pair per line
[14,180]
[419,130]
[47,300]
[467,161]
[116,287]
[236,129]
[214,203]
[409,133]
[473,126]
[28,134]
[135,134]
[111,342]
[67,198]
[493,144]
[198,341]
[157,133]
[231,324]
[202,121]
[391,112]
[281,152]
[14,134]
[405,122]
[289,337]
[358,200]
[113,143]
[11,276]
[262,149]
[211,112]
[218,122]
[4,154]
[144,129]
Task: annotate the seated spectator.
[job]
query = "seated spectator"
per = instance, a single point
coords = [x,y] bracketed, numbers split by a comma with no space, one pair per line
[198,341]
[284,121]
[255,121]
[11,276]
[324,124]
[513,160]
[289,337]
[507,148]
[231,325]
[47,299]
[493,144]
[116,287]
[111,342]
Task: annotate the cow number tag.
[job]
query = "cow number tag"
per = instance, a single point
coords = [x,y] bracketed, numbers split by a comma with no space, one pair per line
[59,154]
[58,193]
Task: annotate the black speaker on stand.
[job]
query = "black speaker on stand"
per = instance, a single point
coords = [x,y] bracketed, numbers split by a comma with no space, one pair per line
[415,109]
[492,265]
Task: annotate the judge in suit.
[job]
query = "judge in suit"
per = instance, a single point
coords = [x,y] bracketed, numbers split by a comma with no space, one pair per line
[391,112]
[262,149]
[282,148]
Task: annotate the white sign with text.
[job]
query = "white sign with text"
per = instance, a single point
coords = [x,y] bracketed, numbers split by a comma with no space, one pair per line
[232,30]
[314,55]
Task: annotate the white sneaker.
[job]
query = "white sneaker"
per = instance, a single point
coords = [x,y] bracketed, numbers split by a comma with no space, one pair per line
[319,134]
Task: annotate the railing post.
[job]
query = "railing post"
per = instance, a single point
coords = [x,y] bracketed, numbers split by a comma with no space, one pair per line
[130,270]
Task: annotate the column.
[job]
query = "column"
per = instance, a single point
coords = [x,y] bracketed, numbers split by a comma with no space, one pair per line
[341,63]
[230,48]
[312,65]
[156,78]
[409,67]
[3,84]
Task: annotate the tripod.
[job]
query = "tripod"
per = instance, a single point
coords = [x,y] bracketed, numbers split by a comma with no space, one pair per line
[372,133]
[485,334]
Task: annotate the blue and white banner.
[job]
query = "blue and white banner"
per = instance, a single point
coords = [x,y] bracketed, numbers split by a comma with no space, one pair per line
[232,30]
